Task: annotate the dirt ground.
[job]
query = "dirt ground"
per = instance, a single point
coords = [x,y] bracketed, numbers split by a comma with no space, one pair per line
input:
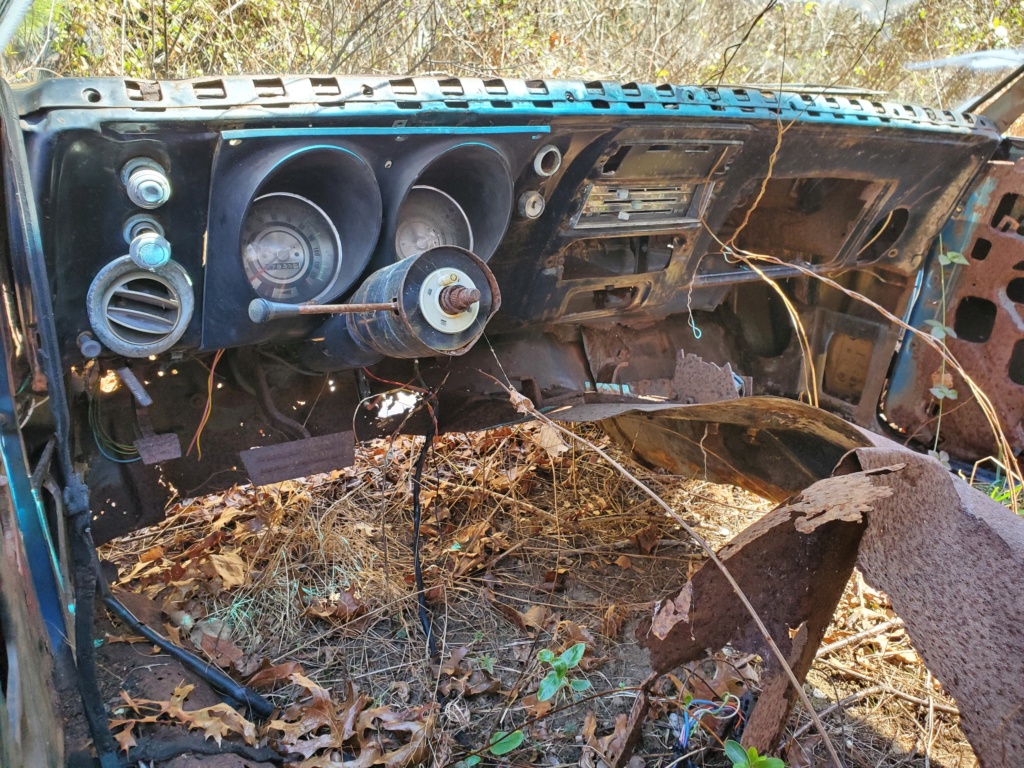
[528,544]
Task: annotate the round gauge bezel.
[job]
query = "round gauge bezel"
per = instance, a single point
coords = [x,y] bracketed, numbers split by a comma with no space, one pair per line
[328,285]
[454,209]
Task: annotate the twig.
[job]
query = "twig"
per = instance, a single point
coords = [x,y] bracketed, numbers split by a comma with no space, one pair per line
[889,689]
[841,704]
[878,629]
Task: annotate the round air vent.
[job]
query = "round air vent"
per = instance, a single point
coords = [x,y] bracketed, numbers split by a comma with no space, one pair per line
[140,312]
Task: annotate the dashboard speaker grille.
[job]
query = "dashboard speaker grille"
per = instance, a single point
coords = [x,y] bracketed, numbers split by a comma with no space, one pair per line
[635,205]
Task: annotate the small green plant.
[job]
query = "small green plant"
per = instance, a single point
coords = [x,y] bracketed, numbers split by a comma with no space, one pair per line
[558,677]
[501,744]
[748,758]
[942,391]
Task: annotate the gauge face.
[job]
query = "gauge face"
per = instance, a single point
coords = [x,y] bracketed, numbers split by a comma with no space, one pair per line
[430,218]
[290,249]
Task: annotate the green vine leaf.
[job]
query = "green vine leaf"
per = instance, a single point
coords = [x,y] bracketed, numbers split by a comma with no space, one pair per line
[502,743]
[939,330]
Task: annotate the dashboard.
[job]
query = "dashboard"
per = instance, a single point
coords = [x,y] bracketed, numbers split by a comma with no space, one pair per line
[577,235]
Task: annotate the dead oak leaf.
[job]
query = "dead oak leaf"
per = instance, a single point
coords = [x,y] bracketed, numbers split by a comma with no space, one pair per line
[151,555]
[603,750]
[340,606]
[671,612]
[462,676]
[231,569]
[611,623]
[647,538]
[548,438]
[268,676]
[537,618]
[419,729]
[124,738]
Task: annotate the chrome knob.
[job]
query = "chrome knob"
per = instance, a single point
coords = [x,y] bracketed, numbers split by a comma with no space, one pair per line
[150,250]
[146,182]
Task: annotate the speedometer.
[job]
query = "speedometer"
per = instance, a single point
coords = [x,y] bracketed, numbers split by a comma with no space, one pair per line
[290,249]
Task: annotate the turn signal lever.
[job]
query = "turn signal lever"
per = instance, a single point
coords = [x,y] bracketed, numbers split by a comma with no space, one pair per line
[263,311]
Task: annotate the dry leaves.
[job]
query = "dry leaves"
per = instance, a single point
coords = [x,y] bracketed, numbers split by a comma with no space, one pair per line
[339,606]
[269,676]
[216,722]
[465,677]
[320,731]
[231,569]
[538,618]
[601,751]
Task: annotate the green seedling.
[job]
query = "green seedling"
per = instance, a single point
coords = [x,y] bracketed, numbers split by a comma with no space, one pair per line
[558,677]
[748,758]
[502,743]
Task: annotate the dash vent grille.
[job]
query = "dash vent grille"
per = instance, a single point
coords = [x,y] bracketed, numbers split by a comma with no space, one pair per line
[142,308]
[137,312]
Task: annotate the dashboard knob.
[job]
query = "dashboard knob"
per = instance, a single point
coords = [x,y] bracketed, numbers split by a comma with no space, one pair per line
[150,250]
[146,183]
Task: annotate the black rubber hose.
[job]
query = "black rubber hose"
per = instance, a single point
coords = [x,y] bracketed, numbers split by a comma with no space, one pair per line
[167,750]
[83,554]
[282,422]
[240,694]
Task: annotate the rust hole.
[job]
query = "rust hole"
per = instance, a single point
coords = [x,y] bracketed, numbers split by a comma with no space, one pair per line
[981,249]
[1009,214]
[974,320]
[1016,371]
[1015,290]
[884,234]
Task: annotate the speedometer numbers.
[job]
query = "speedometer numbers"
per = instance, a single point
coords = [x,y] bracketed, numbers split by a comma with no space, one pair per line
[290,249]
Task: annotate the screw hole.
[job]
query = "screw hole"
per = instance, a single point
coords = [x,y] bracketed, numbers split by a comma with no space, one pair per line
[91,95]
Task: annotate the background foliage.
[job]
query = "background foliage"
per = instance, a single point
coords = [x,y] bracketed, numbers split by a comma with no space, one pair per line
[694,41]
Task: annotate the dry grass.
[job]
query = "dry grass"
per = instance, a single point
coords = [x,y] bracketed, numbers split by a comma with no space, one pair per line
[702,41]
[522,551]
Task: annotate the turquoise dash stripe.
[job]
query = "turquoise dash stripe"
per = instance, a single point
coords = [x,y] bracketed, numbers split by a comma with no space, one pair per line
[429,130]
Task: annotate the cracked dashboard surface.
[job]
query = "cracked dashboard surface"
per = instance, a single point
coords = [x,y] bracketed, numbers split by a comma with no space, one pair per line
[206,243]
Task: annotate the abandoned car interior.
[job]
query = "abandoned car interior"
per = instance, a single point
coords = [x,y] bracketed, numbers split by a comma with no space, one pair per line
[766,287]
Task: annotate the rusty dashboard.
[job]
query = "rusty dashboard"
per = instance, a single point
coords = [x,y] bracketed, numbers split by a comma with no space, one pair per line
[589,230]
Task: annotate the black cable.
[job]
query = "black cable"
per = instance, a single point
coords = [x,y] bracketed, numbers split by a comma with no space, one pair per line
[152,751]
[83,554]
[240,694]
[417,513]
[289,426]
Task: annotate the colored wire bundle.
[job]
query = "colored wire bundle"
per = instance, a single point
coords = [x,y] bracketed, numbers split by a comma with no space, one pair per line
[724,710]
[110,449]
[206,411]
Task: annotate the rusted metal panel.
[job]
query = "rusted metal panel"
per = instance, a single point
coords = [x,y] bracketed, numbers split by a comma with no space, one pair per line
[772,446]
[952,562]
[985,306]
[950,558]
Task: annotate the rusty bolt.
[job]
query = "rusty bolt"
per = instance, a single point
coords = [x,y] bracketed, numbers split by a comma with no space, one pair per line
[458,298]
